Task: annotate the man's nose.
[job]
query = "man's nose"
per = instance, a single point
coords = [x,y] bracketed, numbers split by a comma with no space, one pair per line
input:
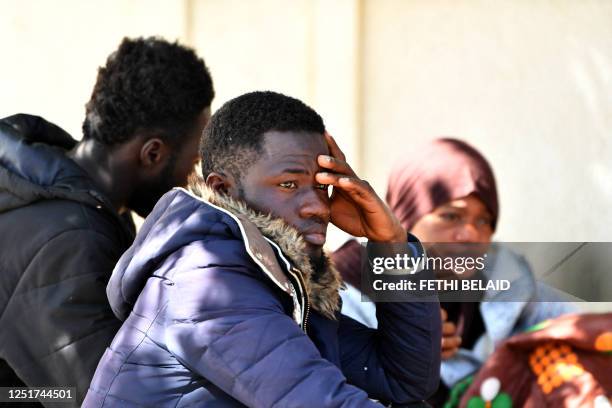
[314,205]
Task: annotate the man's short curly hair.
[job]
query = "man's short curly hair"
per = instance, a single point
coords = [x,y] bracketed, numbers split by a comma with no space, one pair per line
[147,84]
[233,138]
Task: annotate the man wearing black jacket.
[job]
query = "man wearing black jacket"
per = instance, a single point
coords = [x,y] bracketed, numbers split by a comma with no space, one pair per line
[64,206]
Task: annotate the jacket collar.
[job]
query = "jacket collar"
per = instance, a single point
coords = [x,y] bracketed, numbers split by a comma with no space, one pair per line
[321,286]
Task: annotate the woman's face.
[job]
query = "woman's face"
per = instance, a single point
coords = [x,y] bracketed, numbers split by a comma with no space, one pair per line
[464,220]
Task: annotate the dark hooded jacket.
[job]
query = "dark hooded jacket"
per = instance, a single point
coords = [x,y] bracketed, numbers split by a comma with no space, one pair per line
[59,241]
[222,309]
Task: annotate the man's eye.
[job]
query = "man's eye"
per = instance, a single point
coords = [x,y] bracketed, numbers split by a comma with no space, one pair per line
[322,186]
[288,184]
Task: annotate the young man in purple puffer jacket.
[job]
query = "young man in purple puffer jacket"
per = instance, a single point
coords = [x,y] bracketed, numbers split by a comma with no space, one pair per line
[228,299]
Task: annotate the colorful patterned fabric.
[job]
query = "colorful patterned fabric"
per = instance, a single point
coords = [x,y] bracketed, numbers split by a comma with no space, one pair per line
[565,362]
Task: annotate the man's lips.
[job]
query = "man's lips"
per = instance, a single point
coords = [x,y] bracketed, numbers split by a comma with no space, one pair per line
[315,236]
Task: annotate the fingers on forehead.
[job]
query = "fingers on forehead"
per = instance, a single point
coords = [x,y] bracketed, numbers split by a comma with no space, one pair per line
[334,149]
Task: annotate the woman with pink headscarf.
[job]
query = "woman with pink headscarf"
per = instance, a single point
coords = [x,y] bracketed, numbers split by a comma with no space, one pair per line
[446,193]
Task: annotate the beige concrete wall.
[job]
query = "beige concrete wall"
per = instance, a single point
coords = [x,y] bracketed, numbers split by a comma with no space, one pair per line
[306,49]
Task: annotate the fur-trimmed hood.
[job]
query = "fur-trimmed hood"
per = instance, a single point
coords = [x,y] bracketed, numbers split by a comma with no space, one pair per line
[183,217]
[322,286]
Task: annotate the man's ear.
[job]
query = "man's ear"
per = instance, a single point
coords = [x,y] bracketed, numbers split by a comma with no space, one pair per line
[220,182]
[154,152]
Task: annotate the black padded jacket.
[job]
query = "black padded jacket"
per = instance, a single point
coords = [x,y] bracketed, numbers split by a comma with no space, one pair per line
[59,242]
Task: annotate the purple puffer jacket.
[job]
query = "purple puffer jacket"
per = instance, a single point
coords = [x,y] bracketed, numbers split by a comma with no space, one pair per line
[221,309]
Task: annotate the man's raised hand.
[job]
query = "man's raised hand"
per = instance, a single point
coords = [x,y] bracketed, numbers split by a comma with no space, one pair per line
[355,207]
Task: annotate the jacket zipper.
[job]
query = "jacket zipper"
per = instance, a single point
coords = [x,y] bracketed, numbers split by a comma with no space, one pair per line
[298,274]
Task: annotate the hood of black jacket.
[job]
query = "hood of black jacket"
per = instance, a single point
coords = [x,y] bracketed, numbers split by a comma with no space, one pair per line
[34,165]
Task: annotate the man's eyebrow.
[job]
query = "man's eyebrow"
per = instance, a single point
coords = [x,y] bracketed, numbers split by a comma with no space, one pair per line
[294,171]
